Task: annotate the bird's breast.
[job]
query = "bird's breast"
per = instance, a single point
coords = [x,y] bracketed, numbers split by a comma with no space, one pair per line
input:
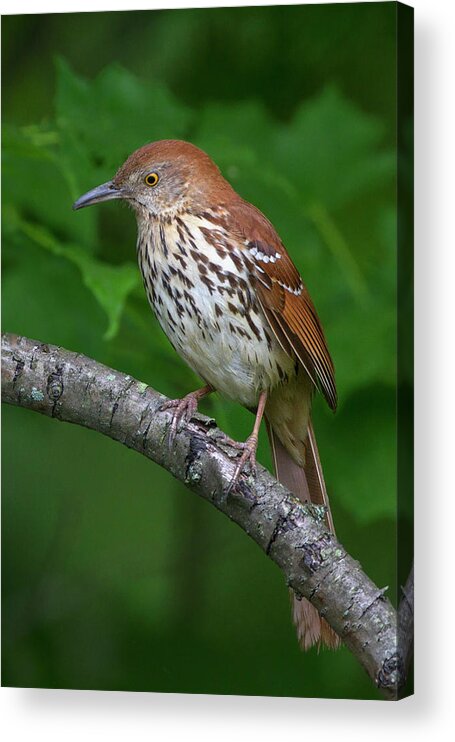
[198,283]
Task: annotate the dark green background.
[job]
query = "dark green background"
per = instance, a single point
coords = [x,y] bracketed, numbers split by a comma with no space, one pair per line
[114,576]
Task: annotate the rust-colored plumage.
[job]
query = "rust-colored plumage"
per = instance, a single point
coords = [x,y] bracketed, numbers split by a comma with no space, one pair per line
[233,305]
[285,300]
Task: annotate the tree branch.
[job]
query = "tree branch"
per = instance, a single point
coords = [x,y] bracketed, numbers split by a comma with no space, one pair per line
[406,622]
[76,389]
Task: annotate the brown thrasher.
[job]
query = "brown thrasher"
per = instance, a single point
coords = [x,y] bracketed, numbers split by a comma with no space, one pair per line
[233,305]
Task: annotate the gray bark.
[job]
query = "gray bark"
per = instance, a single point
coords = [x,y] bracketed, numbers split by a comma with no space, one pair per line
[76,389]
[406,622]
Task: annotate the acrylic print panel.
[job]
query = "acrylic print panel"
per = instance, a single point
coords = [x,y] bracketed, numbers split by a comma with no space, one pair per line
[116,574]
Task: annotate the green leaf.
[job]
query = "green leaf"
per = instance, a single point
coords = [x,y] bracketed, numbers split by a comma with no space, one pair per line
[39,181]
[106,119]
[331,150]
[110,284]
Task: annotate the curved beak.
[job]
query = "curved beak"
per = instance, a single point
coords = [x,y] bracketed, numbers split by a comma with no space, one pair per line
[105,192]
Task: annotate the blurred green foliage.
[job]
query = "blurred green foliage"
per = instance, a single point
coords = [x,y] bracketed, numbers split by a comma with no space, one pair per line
[114,576]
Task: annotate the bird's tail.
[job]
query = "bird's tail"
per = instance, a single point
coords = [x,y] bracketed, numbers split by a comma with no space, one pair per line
[298,467]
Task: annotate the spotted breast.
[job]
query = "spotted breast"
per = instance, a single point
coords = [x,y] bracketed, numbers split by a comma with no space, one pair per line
[199,278]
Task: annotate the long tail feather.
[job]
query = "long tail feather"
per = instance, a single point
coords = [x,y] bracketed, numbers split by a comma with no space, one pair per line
[306,483]
[315,477]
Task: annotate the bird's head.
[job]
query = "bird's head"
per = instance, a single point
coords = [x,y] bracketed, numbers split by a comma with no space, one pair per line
[161,178]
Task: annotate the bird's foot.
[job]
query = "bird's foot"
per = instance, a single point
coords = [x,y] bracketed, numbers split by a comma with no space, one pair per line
[184,410]
[248,457]
[226,440]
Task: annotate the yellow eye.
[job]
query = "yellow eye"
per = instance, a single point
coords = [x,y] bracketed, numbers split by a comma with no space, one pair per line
[152,179]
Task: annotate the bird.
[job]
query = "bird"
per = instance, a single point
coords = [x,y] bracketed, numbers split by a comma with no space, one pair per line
[234,306]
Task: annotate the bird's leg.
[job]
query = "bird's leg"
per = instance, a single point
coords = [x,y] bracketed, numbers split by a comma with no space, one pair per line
[250,445]
[184,408]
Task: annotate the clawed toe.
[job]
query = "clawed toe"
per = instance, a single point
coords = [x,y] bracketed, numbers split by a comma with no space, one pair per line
[248,457]
[184,410]
[227,441]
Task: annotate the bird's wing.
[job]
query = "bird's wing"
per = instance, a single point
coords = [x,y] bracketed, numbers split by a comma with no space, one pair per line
[285,300]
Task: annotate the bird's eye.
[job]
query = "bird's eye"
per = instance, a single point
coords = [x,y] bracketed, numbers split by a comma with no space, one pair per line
[152,179]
